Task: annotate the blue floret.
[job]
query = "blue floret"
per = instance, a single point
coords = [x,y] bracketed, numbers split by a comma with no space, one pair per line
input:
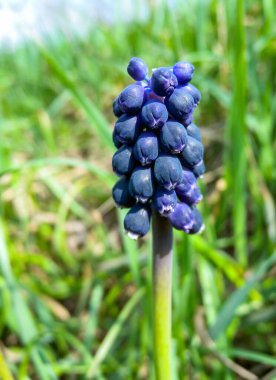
[146,148]
[137,69]
[168,171]
[182,217]
[131,99]
[183,71]
[141,184]
[180,103]
[163,81]
[123,161]
[164,201]
[127,129]
[192,154]
[137,221]
[173,137]
[154,114]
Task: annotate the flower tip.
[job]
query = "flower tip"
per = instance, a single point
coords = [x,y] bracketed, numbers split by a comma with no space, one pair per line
[132,235]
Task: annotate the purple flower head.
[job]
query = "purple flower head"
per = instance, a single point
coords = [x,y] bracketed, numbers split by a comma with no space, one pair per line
[159,153]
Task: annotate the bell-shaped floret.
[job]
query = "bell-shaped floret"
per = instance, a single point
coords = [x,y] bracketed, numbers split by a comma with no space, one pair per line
[137,221]
[131,99]
[163,81]
[146,148]
[137,68]
[164,201]
[127,129]
[180,104]
[193,152]
[168,171]
[123,161]
[173,137]
[183,71]
[141,184]
[182,217]
[154,114]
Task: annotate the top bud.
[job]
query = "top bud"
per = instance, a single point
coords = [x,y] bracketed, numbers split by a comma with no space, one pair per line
[163,81]
[183,71]
[137,69]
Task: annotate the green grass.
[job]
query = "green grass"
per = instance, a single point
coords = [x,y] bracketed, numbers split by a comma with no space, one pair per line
[75,293]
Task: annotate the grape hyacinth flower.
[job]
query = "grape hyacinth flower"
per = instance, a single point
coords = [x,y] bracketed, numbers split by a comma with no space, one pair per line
[159,159]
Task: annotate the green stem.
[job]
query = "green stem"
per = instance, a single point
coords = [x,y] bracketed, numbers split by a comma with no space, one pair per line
[162,295]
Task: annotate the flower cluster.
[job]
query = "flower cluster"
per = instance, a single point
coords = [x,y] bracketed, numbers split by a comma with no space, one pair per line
[160,154]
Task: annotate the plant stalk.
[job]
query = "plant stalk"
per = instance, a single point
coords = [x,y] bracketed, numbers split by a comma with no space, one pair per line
[162,295]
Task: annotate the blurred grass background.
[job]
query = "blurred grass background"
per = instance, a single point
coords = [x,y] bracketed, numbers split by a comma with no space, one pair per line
[75,293]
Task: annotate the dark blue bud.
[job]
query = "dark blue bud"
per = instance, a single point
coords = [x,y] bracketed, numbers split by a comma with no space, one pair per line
[193,131]
[183,71]
[141,185]
[116,108]
[180,103]
[163,81]
[127,129]
[199,169]
[198,225]
[131,99]
[188,180]
[121,194]
[137,68]
[192,154]
[168,171]
[192,196]
[146,148]
[164,201]
[194,92]
[182,217]
[137,221]
[154,114]
[173,137]
[123,161]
